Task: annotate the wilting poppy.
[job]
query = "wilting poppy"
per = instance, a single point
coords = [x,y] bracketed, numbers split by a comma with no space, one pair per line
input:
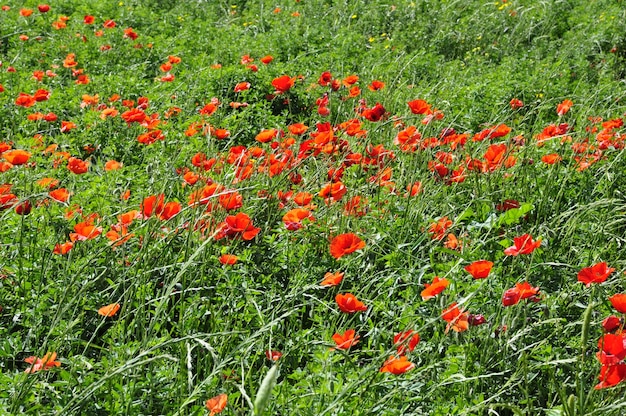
[217,404]
[523,244]
[397,365]
[47,362]
[332,279]
[346,340]
[348,303]
[597,273]
[109,311]
[344,244]
[479,269]
[436,287]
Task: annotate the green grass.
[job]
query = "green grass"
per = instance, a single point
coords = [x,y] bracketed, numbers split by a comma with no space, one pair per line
[190,328]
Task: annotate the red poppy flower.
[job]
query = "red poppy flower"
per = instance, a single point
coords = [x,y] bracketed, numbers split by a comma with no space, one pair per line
[332,279]
[333,191]
[479,269]
[77,166]
[228,259]
[231,200]
[242,86]
[346,340]
[438,230]
[267,59]
[520,291]
[25,100]
[375,113]
[60,195]
[397,365]
[406,340]
[112,165]
[85,230]
[597,273]
[63,248]
[611,323]
[611,375]
[344,244]
[169,210]
[302,198]
[516,103]
[456,319]
[523,244]
[564,107]
[266,136]
[237,225]
[619,302]
[376,85]
[551,159]
[297,129]
[273,355]
[23,208]
[436,287]
[348,303]
[47,362]
[419,107]
[217,404]
[152,204]
[283,84]
[16,156]
[293,218]
[109,311]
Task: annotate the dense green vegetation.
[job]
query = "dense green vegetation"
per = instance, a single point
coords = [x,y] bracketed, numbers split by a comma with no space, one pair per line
[398,143]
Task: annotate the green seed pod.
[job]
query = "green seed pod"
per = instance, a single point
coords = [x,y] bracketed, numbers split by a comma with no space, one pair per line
[265,391]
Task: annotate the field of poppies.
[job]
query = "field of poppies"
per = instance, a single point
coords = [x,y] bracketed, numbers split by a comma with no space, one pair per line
[313,208]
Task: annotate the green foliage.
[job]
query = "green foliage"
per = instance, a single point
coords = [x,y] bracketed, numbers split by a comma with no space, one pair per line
[190,327]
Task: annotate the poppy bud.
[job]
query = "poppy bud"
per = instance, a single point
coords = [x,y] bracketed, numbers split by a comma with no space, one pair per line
[23,208]
[475,320]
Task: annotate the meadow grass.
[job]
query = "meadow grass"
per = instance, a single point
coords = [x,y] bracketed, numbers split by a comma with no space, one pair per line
[124,276]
